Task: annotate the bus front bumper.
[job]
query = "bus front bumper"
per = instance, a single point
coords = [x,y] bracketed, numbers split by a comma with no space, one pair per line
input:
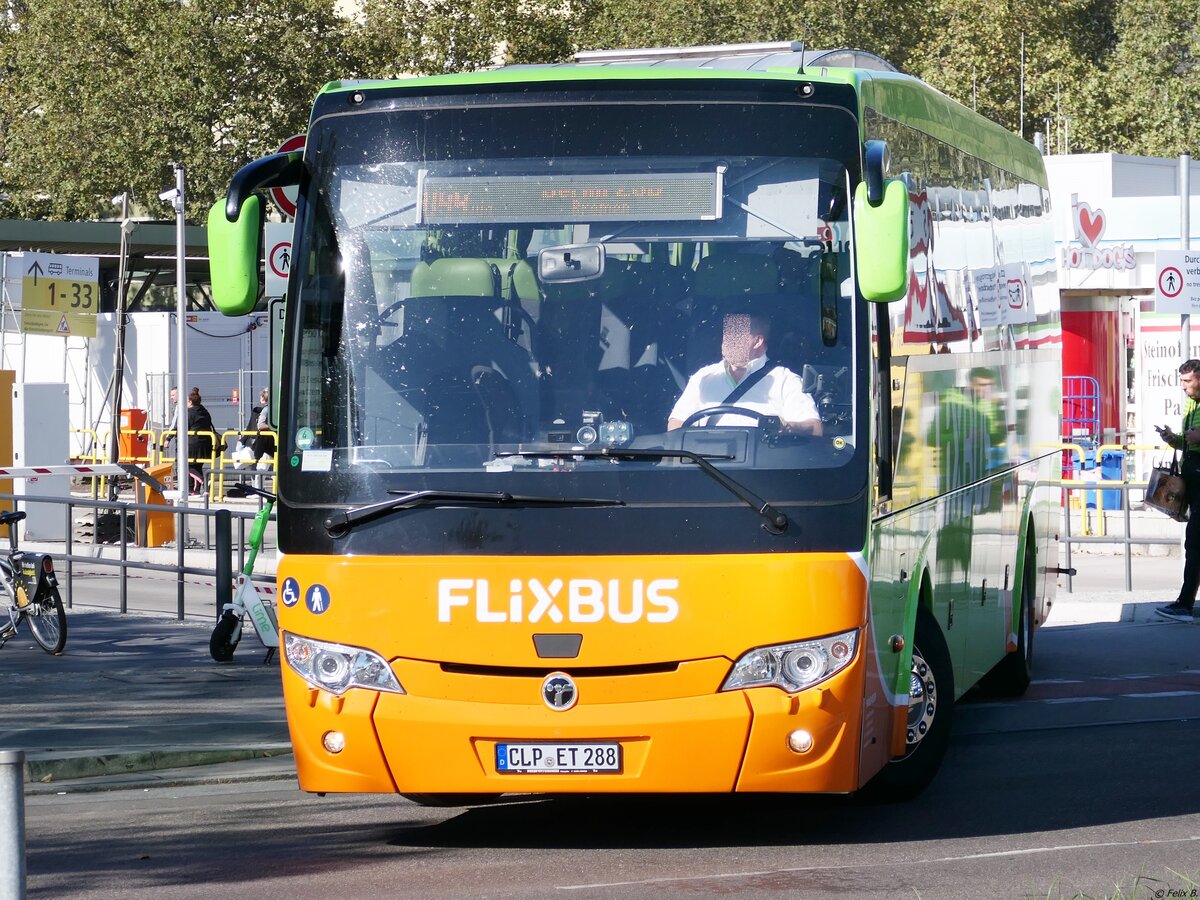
[443,739]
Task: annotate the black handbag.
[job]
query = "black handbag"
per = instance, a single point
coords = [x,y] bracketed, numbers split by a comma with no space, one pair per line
[1167,491]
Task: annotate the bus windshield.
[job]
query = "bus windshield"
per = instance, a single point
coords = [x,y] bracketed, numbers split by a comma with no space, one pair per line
[482,288]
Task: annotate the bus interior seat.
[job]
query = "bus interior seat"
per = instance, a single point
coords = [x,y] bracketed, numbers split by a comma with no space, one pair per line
[478,386]
[654,313]
[522,301]
[723,283]
[569,348]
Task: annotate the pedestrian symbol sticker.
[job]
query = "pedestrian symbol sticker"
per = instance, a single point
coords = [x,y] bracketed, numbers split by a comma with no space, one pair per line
[63,327]
[317,599]
[290,593]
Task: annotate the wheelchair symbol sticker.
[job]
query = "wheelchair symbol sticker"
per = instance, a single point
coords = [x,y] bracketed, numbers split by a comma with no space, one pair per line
[317,599]
[290,594]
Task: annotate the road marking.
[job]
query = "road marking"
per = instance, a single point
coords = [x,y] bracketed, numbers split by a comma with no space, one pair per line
[995,854]
[1055,701]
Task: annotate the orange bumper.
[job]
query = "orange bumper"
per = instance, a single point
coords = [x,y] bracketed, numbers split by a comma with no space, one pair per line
[442,736]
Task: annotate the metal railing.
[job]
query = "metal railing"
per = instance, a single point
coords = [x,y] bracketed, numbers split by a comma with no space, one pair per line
[1088,485]
[219,461]
[124,511]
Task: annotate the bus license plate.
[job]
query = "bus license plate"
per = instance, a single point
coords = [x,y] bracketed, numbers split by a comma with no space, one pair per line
[557,759]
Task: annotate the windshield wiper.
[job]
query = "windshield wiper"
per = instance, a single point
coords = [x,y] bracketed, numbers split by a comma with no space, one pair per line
[776,522]
[339,523]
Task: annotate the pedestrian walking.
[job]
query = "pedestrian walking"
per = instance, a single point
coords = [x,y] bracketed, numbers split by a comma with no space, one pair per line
[200,439]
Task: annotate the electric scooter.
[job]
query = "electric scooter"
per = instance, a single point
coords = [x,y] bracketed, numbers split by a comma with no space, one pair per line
[246,600]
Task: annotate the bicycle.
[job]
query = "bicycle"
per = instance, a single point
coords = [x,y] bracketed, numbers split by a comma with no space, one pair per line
[29,591]
[246,600]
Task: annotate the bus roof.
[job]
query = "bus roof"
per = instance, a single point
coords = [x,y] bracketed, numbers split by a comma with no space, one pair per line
[879,85]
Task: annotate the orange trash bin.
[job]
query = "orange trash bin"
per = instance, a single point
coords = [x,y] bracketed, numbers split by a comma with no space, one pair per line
[155,528]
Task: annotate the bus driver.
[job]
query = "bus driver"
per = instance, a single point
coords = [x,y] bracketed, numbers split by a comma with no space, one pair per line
[744,377]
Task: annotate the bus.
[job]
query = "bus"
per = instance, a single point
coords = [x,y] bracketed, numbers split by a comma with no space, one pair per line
[512,559]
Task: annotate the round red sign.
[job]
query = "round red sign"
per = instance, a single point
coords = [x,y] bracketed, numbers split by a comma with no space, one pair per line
[285,197]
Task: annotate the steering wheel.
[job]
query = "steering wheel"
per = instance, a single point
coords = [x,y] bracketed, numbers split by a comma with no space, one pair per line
[722,409]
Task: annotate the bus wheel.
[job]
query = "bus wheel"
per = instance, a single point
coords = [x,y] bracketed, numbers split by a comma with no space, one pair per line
[445,800]
[1011,676]
[930,709]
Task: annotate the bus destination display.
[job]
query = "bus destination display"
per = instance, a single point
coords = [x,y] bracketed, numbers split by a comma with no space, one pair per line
[661,197]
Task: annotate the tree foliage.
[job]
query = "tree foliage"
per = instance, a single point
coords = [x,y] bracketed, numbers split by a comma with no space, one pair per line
[101,96]
[1143,100]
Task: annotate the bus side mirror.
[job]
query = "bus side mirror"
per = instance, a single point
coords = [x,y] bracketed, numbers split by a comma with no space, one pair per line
[234,250]
[881,241]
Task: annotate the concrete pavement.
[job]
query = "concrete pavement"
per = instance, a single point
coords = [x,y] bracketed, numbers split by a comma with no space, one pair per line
[137,701]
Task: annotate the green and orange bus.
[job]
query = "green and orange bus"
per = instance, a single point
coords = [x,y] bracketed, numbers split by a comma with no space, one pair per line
[500,571]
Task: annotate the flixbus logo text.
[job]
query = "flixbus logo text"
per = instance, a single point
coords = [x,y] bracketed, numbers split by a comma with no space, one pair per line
[577,600]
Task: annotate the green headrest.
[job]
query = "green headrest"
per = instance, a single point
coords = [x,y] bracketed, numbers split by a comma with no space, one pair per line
[455,278]
[738,273]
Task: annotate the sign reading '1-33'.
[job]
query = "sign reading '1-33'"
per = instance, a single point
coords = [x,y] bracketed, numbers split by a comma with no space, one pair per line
[60,295]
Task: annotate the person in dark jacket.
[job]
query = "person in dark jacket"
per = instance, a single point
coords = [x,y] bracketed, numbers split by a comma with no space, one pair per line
[200,439]
[264,443]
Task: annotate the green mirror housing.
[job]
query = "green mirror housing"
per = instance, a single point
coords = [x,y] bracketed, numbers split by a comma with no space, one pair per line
[881,242]
[234,250]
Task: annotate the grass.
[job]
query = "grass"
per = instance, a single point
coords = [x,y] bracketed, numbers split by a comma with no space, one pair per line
[1136,887]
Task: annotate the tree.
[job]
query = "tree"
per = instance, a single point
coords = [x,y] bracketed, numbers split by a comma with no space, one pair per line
[971,50]
[1144,99]
[433,37]
[103,95]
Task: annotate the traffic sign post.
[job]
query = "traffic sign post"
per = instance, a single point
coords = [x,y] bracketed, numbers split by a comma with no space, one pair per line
[59,295]
[1177,282]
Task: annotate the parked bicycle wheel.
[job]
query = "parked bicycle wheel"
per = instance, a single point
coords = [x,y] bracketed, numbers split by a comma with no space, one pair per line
[48,622]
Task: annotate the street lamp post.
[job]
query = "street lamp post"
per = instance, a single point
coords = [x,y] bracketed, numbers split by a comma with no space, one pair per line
[176,198]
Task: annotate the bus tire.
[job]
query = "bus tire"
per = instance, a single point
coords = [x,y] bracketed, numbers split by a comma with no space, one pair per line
[448,800]
[931,709]
[1011,676]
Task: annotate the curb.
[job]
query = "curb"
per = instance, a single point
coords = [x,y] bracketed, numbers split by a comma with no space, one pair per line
[54,767]
[244,772]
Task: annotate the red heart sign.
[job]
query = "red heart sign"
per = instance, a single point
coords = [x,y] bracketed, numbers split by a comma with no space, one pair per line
[1091,226]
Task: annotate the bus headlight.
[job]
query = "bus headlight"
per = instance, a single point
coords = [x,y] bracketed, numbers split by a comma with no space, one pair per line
[337,668]
[793,667]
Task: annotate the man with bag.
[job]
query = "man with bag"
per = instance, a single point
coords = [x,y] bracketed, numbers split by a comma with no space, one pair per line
[1188,443]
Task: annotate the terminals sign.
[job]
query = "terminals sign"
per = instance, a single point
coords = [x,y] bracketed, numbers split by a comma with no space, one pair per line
[59,295]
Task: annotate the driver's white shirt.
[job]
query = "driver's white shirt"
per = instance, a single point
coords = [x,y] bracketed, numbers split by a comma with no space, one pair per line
[778,393]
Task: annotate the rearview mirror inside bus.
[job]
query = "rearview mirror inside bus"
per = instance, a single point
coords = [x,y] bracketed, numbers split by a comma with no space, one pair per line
[572,262]
[881,242]
[234,252]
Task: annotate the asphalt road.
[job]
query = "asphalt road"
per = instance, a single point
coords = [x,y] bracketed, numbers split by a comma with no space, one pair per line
[1083,787]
